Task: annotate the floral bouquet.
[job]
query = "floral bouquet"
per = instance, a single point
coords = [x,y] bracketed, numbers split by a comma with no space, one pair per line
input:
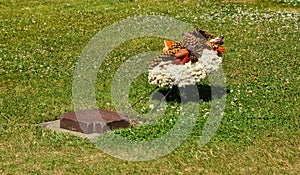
[187,62]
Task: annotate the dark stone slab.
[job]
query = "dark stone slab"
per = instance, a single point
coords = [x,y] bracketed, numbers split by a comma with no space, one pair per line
[93,121]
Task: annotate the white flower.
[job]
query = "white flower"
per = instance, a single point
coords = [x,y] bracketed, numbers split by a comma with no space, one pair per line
[166,74]
[151,106]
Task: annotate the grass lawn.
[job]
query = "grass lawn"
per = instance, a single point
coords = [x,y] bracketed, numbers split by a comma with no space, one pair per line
[41,41]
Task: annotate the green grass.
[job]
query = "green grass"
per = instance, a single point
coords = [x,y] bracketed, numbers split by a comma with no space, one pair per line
[40,42]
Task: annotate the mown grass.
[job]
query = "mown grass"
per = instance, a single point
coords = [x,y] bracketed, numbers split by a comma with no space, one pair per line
[40,42]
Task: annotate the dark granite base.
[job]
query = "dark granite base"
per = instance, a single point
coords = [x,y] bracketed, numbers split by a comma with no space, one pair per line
[93,121]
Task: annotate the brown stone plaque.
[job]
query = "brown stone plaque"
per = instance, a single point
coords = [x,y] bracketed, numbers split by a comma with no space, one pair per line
[93,121]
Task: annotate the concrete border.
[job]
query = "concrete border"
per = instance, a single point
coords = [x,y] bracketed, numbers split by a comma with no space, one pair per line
[55,126]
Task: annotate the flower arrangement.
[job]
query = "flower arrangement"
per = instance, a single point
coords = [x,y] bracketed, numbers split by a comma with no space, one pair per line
[188,62]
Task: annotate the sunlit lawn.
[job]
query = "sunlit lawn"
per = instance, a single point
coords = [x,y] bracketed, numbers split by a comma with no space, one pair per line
[40,42]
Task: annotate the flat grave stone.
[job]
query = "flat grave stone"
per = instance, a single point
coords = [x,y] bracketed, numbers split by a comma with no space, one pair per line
[93,121]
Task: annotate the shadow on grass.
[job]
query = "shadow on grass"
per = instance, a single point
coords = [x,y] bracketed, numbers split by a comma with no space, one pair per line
[185,94]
